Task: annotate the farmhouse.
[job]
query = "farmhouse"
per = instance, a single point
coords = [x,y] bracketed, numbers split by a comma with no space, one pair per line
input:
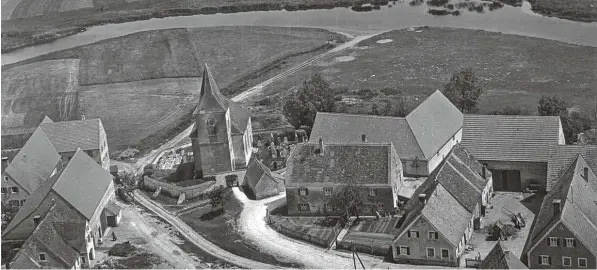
[440,219]
[422,138]
[34,164]
[315,172]
[500,257]
[88,135]
[260,182]
[564,233]
[560,157]
[222,139]
[80,191]
[515,148]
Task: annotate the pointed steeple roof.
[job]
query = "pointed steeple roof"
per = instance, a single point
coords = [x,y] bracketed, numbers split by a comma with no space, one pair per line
[210,100]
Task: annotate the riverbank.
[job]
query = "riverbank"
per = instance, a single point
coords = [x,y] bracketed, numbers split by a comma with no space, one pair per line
[576,10]
[29,31]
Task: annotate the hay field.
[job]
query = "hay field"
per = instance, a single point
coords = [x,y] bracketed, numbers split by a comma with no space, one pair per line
[579,10]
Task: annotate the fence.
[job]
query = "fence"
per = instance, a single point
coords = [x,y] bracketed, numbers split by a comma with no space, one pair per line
[371,243]
[174,191]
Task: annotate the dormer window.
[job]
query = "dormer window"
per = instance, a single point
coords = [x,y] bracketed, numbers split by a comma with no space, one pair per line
[14,189]
[42,257]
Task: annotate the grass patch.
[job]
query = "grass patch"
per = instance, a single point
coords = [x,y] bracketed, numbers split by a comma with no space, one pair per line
[577,10]
[122,249]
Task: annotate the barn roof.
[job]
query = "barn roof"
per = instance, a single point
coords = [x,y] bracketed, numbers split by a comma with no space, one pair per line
[560,157]
[68,136]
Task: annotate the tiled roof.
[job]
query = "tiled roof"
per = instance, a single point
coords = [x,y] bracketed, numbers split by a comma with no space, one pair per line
[349,128]
[68,136]
[510,137]
[72,233]
[447,215]
[113,209]
[578,198]
[560,157]
[364,163]
[212,100]
[255,172]
[434,122]
[83,183]
[34,163]
[501,258]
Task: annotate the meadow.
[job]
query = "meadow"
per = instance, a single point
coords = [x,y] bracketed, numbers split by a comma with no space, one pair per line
[577,10]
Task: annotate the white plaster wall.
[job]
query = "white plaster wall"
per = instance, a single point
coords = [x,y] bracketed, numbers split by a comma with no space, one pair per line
[443,152]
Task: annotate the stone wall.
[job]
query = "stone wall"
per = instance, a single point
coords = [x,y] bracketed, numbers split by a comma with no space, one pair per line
[175,190]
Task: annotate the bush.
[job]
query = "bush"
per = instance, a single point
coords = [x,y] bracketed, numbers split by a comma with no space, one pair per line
[437,3]
[122,250]
[438,12]
[366,93]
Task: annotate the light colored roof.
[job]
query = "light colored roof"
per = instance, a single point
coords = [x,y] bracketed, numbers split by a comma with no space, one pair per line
[83,183]
[364,163]
[434,122]
[510,137]
[501,258]
[446,214]
[560,157]
[113,209]
[349,128]
[68,136]
[34,163]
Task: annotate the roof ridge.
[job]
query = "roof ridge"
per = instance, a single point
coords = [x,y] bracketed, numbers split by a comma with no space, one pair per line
[363,115]
[427,98]
[464,177]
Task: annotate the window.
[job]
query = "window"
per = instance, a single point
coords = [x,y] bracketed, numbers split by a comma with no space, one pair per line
[372,192]
[42,257]
[445,253]
[13,203]
[4,190]
[379,205]
[544,260]
[22,202]
[36,220]
[303,191]
[566,261]
[433,235]
[327,191]
[83,259]
[210,122]
[5,178]
[582,262]
[570,242]
[404,250]
[328,207]
[552,241]
[413,234]
[430,253]
[303,207]
[14,189]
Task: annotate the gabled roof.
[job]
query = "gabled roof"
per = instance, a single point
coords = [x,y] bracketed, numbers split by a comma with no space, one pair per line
[510,137]
[73,233]
[364,163]
[83,183]
[256,171]
[560,157]
[34,163]
[434,122]
[500,257]
[211,100]
[68,136]
[448,216]
[578,197]
[349,128]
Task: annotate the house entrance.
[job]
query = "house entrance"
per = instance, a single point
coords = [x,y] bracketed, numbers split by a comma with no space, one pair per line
[507,180]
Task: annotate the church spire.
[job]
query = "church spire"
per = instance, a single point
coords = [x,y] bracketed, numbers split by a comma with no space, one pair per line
[210,100]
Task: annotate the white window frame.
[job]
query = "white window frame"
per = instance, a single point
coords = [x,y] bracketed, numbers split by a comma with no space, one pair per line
[372,192]
[427,252]
[569,260]
[45,257]
[569,241]
[5,178]
[584,260]
[327,191]
[434,233]
[543,259]
[303,191]
[83,258]
[405,249]
[411,233]
[442,255]
[553,241]
[4,190]
[302,208]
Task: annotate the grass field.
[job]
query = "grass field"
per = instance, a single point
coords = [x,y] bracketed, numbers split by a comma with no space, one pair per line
[578,10]
[140,84]
[512,70]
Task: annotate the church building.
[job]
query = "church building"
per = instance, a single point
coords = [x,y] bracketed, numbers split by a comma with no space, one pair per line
[223,137]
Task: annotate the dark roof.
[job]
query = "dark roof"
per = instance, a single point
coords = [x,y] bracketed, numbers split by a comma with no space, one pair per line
[113,209]
[212,100]
[349,128]
[364,163]
[578,197]
[500,257]
[72,233]
[68,136]
[83,183]
[255,172]
[446,214]
[510,137]
[34,163]
[560,157]
[434,122]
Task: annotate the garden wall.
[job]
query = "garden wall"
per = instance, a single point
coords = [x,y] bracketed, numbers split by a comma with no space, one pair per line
[175,190]
[301,233]
[371,243]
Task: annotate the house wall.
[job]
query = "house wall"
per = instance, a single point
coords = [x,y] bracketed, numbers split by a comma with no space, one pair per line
[238,145]
[8,182]
[418,246]
[267,187]
[316,198]
[396,176]
[556,253]
[528,171]
[32,250]
[444,151]
[97,218]
[410,168]
[487,191]
[104,153]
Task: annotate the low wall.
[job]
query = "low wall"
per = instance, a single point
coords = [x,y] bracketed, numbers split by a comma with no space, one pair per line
[296,233]
[175,190]
[369,243]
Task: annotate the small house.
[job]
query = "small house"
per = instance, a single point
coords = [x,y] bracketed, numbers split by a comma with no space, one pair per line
[260,182]
[500,257]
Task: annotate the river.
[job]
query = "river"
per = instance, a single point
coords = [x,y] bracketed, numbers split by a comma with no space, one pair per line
[510,20]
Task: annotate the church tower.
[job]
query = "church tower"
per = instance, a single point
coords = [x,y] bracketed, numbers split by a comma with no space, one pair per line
[211,138]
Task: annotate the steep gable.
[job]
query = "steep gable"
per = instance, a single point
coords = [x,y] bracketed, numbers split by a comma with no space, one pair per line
[500,257]
[561,156]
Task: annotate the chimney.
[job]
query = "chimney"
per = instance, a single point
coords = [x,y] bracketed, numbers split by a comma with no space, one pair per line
[484,172]
[506,252]
[422,198]
[320,146]
[557,207]
[364,137]
[82,117]
[585,173]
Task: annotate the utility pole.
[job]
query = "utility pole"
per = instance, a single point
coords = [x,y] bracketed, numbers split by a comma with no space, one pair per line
[354,253]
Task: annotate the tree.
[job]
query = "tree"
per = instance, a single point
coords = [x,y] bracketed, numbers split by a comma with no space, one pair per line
[509,110]
[8,212]
[375,109]
[314,96]
[594,112]
[130,183]
[351,200]
[463,90]
[399,107]
[551,106]
[218,196]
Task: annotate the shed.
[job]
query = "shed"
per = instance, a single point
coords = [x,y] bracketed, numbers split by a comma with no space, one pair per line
[260,182]
[113,214]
